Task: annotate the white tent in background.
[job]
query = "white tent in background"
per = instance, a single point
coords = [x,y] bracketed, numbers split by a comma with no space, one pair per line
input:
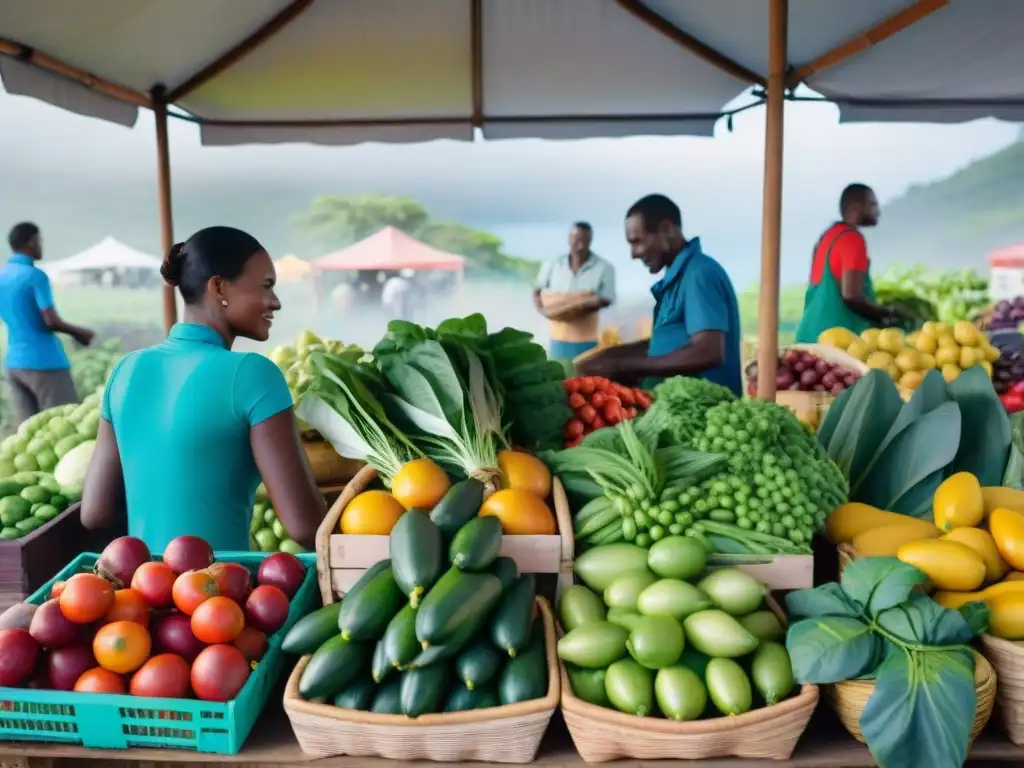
[109,262]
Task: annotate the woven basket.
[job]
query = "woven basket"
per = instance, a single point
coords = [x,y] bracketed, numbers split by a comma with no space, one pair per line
[849,698]
[507,734]
[601,734]
[1007,658]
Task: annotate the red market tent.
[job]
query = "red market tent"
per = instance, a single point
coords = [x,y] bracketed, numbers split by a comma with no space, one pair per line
[390,250]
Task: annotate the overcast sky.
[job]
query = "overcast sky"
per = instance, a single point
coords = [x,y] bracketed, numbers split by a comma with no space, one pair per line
[528,191]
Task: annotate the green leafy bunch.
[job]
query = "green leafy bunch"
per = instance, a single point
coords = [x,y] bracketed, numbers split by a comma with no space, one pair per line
[875,624]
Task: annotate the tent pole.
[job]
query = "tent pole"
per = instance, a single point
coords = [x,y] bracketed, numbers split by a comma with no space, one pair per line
[771,221]
[163,192]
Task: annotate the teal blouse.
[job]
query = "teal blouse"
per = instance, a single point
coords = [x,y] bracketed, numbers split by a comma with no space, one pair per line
[181,412]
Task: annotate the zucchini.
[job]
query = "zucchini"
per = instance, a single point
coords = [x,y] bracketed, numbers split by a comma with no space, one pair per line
[380,664]
[476,544]
[388,700]
[506,570]
[358,695]
[417,554]
[423,690]
[459,601]
[510,627]
[312,631]
[335,664]
[479,664]
[457,507]
[365,612]
[436,653]
[462,699]
[526,676]
[399,643]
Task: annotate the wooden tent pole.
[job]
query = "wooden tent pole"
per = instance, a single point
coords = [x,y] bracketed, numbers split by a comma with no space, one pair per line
[771,222]
[163,192]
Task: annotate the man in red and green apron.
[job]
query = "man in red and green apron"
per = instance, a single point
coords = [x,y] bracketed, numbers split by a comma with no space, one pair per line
[840,293]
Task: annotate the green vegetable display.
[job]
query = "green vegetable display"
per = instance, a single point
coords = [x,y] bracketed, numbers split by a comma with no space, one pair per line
[29,500]
[678,415]
[667,641]
[470,642]
[91,366]
[875,624]
[932,295]
[42,440]
[268,534]
[894,455]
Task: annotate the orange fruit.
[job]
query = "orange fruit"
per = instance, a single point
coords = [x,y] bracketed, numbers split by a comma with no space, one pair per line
[371,513]
[420,484]
[521,513]
[524,472]
[121,647]
[191,589]
[86,598]
[129,605]
[100,680]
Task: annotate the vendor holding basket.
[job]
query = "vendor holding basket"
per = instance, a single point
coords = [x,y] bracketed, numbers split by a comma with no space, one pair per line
[189,427]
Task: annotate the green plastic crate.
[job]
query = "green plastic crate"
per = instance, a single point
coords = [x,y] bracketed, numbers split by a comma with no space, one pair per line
[106,721]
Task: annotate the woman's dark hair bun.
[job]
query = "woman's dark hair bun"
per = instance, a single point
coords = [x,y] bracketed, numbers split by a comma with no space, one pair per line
[173,264]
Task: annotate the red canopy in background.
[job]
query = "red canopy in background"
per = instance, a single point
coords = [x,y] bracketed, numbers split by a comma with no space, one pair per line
[390,250]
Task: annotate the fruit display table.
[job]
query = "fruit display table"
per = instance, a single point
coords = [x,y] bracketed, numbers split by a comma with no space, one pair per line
[272,745]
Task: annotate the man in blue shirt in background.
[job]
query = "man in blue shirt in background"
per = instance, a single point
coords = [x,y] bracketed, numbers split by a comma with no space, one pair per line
[35,363]
[696,328]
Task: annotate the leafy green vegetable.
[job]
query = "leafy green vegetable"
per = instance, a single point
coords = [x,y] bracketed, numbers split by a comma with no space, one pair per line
[985,446]
[1013,476]
[678,415]
[875,623]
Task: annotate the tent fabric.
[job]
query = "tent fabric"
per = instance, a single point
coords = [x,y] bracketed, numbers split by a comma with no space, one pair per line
[390,250]
[107,254]
[401,71]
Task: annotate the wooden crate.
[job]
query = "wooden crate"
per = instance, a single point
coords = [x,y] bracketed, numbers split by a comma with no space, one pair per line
[777,572]
[342,558]
[809,407]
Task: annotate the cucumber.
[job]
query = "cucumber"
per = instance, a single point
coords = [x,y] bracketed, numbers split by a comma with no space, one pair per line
[417,554]
[334,665]
[476,544]
[453,647]
[457,507]
[462,699]
[459,601]
[312,631]
[29,524]
[526,676]
[479,664]
[380,664]
[358,695]
[365,613]
[423,690]
[399,643]
[510,627]
[388,700]
[506,570]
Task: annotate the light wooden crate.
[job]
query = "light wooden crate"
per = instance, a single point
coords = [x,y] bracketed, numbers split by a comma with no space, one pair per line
[342,558]
[777,572]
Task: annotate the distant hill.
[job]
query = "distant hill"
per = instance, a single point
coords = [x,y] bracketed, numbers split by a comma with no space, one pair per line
[955,222]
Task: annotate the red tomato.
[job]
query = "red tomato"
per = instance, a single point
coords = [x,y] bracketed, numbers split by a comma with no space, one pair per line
[631,413]
[165,676]
[100,680]
[626,396]
[86,598]
[252,643]
[574,428]
[155,582]
[233,580]
[587,414]
[587,386]
[217,620]
[570,385]
[192,589]
[598,399]
[612,412]
[643,400]
[129,605]
[574,442]
[597,423]
[576,401]
[219,673]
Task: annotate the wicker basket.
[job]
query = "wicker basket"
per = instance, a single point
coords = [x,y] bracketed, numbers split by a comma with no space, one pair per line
[327,466]
[1007,658]
[507,734]
[849,698]
[601,734]
[341,559]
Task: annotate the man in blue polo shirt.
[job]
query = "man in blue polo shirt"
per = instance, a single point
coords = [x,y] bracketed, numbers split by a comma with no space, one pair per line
[35,363]
[696,328]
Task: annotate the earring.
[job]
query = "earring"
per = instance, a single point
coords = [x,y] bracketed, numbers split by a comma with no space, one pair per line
[223,302]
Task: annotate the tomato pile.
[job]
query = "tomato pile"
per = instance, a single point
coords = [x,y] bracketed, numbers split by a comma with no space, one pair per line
[599,402]
[182,626]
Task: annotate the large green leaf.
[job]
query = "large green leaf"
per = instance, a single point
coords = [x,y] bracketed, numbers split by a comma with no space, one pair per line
[917,501]
[926,446]
[922,709]
[922,621]
[831,649]
[985,446]
[825,600]
[879,583]
[1013,475]
[865,420]
[833,415]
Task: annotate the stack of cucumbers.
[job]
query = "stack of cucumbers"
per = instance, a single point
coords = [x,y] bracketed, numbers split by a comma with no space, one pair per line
[444,625]
[653,633]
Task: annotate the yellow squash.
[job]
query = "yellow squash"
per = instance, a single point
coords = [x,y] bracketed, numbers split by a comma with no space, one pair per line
[850,520]
[1006,616]
[1007,498]
[371,513]
[520,513]
[958,502]
[948,565]
[524,472]
[957,599]
[1007,528]
[1014,576]
[982,543]
[420,484]
[887,540]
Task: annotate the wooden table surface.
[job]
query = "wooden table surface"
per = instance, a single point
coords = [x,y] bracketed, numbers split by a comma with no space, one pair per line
[272,745]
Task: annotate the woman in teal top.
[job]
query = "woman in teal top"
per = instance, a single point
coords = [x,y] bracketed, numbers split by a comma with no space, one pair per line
[189,427]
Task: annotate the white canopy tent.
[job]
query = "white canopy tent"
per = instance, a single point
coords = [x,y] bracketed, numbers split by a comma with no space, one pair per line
[331,72]
[108,254]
